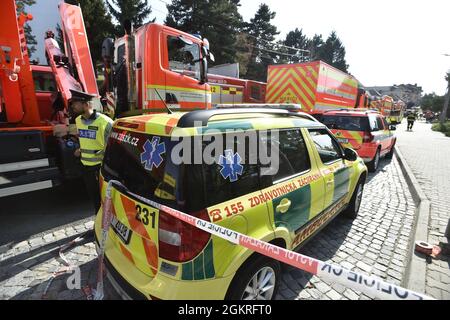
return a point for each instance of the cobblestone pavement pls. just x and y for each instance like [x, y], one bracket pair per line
[26, 269]
[427, 153]
[376, 242]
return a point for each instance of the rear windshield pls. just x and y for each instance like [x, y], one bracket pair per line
[128, 159]
[350, 123]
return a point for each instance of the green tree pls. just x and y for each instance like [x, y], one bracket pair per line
[296, 39]
[244, 51]
[217, 20]
[432, 101]
[135, 11]
[333, 52]
[31, 39]
[315, 47]
[262, 34]
[98, 25]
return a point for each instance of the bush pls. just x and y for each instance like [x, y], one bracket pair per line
[444, 128]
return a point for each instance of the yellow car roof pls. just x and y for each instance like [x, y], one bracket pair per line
[164, 124]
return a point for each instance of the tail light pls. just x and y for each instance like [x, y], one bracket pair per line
[368, 137]
[179, 241]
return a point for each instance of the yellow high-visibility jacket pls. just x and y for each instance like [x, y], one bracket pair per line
[93, 134]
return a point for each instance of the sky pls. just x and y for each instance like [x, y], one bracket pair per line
[45, 16]
[387, 41]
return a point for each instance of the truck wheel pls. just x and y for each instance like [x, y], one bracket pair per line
[258, 279]
[355, 202]
[373, 165]
[391, 152]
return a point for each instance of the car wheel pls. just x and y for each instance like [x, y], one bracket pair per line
[373, 165]
[355, 202]
[391, 152]
[257, 280]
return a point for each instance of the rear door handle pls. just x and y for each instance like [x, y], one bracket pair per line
[330, 182]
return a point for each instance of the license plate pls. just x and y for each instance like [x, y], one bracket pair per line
[342, 140]
[121, 230]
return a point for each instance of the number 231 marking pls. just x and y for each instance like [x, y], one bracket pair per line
[142, 215]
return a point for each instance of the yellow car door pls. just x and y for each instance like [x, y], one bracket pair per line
[296, 188]
[335, 172]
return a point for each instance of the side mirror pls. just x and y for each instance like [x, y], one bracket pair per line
[203, 70]
[206, 51]
[206, 44]
[392, 128]
[350, 154]
[211, 56]
[108, 49]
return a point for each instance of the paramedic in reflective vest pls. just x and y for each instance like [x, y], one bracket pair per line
[93, 131]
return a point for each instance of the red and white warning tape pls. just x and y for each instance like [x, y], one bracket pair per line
[369, 285]
[106, 221]
[67, 268]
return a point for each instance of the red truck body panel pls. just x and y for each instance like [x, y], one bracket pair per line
[77, 46]
[316, 85]
[234, 90]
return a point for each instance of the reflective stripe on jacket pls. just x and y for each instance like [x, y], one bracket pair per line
[93, 135]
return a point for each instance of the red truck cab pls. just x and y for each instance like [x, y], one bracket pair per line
[155, 66]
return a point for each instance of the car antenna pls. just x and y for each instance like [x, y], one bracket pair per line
[165, 105]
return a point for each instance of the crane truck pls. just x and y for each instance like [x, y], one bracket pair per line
[32, 156]
[157, 66]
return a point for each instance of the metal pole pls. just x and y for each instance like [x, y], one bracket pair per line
[447, 98]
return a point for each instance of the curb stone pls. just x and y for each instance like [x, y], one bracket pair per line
[416, 266]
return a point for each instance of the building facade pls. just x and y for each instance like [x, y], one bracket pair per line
[408, 93]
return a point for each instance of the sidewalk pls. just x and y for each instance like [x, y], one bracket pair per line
[428, 155]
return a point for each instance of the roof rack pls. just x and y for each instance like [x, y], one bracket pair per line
[190, 119]
[295, 107]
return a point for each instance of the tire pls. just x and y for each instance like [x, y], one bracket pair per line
[352, 210]
[373, 165]
[245, 277]
[391, 152]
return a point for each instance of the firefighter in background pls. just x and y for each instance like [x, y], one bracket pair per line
[93, 131]
[411, 118]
